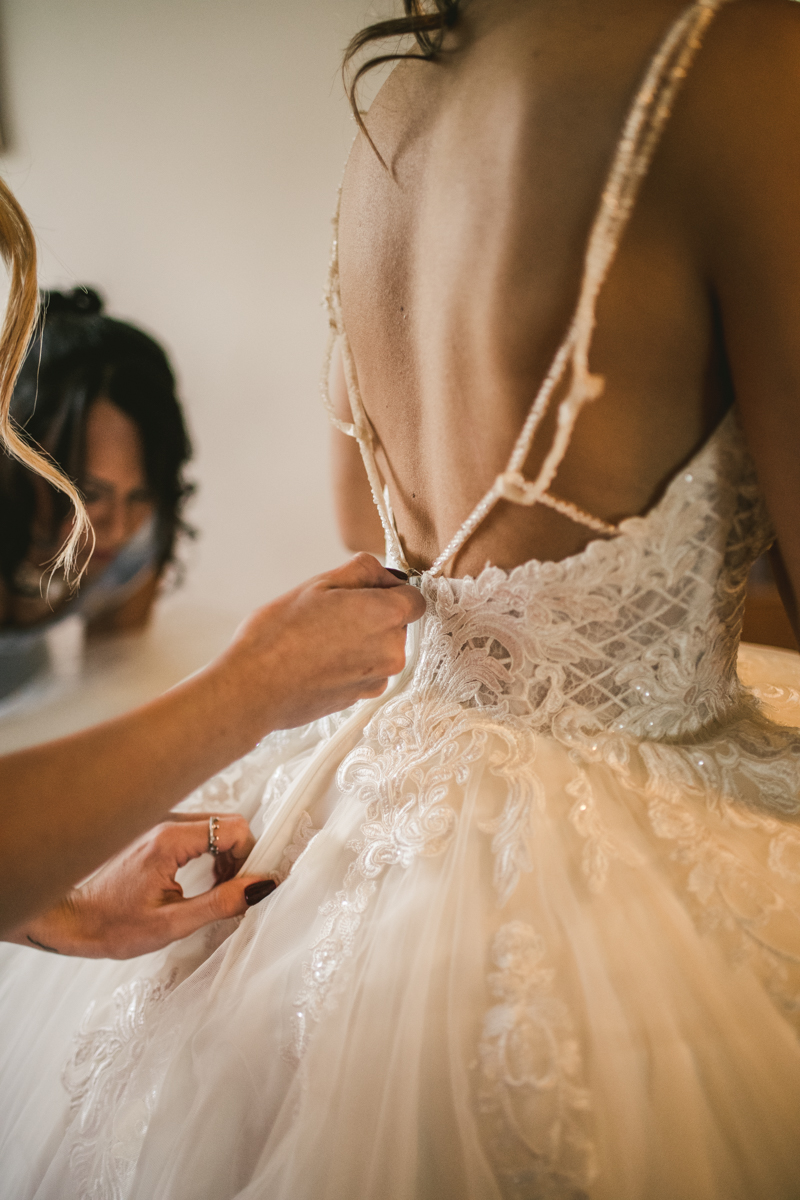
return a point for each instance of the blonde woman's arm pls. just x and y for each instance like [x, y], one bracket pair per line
[68, 805]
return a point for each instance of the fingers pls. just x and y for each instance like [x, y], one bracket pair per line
[181, 841]
[319, 648]
[226, 862]
[382, 608]
[372, 688]
[362, 571]
[221, 902]
[411, 601]
[257, 891]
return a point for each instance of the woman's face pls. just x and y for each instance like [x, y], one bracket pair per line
[114, 485]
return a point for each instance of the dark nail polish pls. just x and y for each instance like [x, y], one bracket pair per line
[258, 891]
[398, 574]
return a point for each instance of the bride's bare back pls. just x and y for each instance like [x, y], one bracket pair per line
[460, 270]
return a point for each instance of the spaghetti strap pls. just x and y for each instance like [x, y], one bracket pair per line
[361, 427]
[646, 120]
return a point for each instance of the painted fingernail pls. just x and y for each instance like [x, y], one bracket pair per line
[398, 574]
[258, 891]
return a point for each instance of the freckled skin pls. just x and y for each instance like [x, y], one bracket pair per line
[460, 271]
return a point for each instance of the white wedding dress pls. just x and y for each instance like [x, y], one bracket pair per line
[541, 934]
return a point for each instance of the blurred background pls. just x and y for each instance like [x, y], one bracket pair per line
[183, 156]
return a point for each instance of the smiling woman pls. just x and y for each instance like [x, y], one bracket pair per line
[98, 396]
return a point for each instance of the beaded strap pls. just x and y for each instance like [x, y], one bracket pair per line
[361, 426]
[641, 133]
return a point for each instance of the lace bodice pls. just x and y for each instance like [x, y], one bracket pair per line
[637, 634]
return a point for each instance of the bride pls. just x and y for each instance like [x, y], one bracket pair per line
[539, 930]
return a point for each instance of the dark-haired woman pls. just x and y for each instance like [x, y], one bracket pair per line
[546, 941]
[99, 396]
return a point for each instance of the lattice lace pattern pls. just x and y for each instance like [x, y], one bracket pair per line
[637, 635]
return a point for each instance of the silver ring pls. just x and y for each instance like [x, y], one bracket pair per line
[213, 826]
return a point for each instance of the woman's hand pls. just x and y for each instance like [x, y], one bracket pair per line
[319, 648]
[133, 905]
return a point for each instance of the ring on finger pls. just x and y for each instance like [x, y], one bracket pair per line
[213, 827]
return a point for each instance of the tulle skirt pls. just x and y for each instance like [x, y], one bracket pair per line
[496, 971]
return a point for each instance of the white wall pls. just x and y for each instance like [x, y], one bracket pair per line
[184, 156]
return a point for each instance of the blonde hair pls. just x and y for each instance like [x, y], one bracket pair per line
[18, 249]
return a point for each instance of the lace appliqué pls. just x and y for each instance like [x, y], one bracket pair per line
[302, 838]
[95, 1091]
[737, 893]
[775, 694]
[635, 636]
[600, 848]
[341, 920]
[403, 786]
[784, 856]
[534, 1109]
[513, 753]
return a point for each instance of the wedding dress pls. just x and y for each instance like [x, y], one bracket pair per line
[539, 934]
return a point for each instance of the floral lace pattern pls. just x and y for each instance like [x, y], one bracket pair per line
[536, 1111]
[303, 836]
[736, 898]
[403, 789]
[624, 656]
[600, 848]
[95, 1090]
